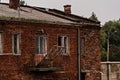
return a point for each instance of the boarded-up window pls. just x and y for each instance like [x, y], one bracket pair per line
[82, 45]
[41, 44]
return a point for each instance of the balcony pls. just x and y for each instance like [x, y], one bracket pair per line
[51, 62]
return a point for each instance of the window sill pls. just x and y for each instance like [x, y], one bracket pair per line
[65, 54]
[16, 54]
[7, 54]
[43, 54]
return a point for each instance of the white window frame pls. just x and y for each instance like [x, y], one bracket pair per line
[39, 44]
[17, 44]
[1, 44]
[63, 43]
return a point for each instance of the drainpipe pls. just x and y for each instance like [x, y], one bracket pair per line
[79, 71]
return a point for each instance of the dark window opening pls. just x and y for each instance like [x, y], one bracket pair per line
[83, 75]
[63, 43]
[15, 43]
[59, 41]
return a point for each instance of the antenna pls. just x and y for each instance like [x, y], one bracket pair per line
[18, 12]
[19, 9]
[47, 9]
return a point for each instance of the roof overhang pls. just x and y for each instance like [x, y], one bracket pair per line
[80, 24]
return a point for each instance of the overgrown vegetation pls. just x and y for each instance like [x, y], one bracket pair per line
[113, 27]
[22, 2]
[93, 17]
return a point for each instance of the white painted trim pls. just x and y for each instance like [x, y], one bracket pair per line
[67, 44]
[44, 44]
[18, 44]
[9, 54]
[110, 62]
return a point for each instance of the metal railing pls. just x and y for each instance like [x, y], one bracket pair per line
[54, 52]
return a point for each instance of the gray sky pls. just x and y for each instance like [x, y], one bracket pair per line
[104, 9]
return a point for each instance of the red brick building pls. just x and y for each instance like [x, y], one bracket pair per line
[47, 44]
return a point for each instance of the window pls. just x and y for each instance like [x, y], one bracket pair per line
[41, 44]
[82, 43]
[63, 42]
[83, 75]
[16, 43]
[0, 42]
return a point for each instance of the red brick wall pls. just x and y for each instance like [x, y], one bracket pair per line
[90, 60]
[12, 67]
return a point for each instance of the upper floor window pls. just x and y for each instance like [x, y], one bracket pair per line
[0, 42]
[16, 43]
[63, 42]
[41, 44]
[82, 45]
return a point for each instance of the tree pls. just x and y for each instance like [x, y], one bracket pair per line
[22, 2]
[103, 45]
[93, 17]
[113, 27]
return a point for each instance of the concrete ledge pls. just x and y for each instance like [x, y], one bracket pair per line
[109, 62]
[46, 69]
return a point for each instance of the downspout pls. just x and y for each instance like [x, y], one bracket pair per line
[79, 70]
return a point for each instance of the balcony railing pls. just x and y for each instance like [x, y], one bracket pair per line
[48, 62]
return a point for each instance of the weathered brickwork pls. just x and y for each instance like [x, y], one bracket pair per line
[90, 60]
[13, 67]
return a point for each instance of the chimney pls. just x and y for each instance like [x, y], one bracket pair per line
[14, 4]
[67, 9]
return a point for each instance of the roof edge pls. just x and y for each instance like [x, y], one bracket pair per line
[58, 12]
[76, 16]
[44, 21]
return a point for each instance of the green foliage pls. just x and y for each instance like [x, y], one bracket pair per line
[103, 44]
[104, 56]
[22, 2]
[93, 17]
[113, 27]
